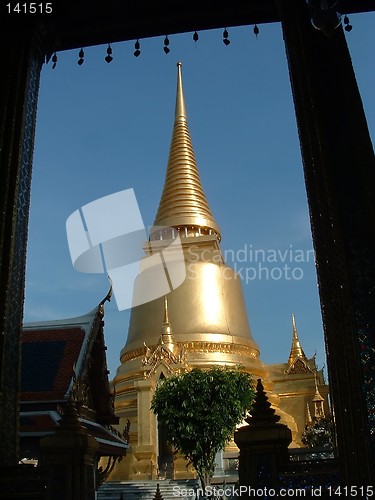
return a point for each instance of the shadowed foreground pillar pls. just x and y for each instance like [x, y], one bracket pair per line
[339, 169]
[69, 458]
[21, 61]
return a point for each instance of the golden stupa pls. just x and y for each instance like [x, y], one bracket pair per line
[200, 323]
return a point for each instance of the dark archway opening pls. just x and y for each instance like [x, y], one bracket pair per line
[165, 451]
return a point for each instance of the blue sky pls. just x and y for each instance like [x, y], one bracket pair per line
[102, 128]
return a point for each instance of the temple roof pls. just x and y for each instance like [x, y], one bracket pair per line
[63, 363]
[183, 202]
[51, 350]
[48, 357]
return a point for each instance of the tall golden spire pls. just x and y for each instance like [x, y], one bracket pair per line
[183, 204]
[296, 350]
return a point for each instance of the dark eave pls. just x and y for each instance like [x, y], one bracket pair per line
[80, 23]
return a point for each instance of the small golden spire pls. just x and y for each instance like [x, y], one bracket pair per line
[166, 324]
[318, 396]
[308, 414]
[318, 401]
[183, 204]
[296, 350]
[166, 337]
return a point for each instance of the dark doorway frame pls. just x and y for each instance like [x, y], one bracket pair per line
[339, 170]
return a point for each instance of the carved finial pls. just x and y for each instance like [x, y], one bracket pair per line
[107, 298]
[261, 412]
[158, 495]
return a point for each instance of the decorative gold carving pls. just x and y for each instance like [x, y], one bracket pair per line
[124, 435]
[125, 432]
[147, 354]
[298, 366]
[80, 391]
[172, 356]
[221, 347]
[163, 355]
[103, 473]
[196, 346]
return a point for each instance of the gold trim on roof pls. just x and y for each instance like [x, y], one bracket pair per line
[183, 203]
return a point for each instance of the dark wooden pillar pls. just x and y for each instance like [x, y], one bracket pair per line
[69, 458]
[339, 172]
[21, 63]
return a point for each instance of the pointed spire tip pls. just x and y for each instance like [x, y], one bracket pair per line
[296, 349]
[183, 204]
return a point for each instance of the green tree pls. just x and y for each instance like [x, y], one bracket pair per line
[318, 433]
[200, 410]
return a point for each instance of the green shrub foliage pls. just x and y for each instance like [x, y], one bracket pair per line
[200, 410]
[318, 433]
